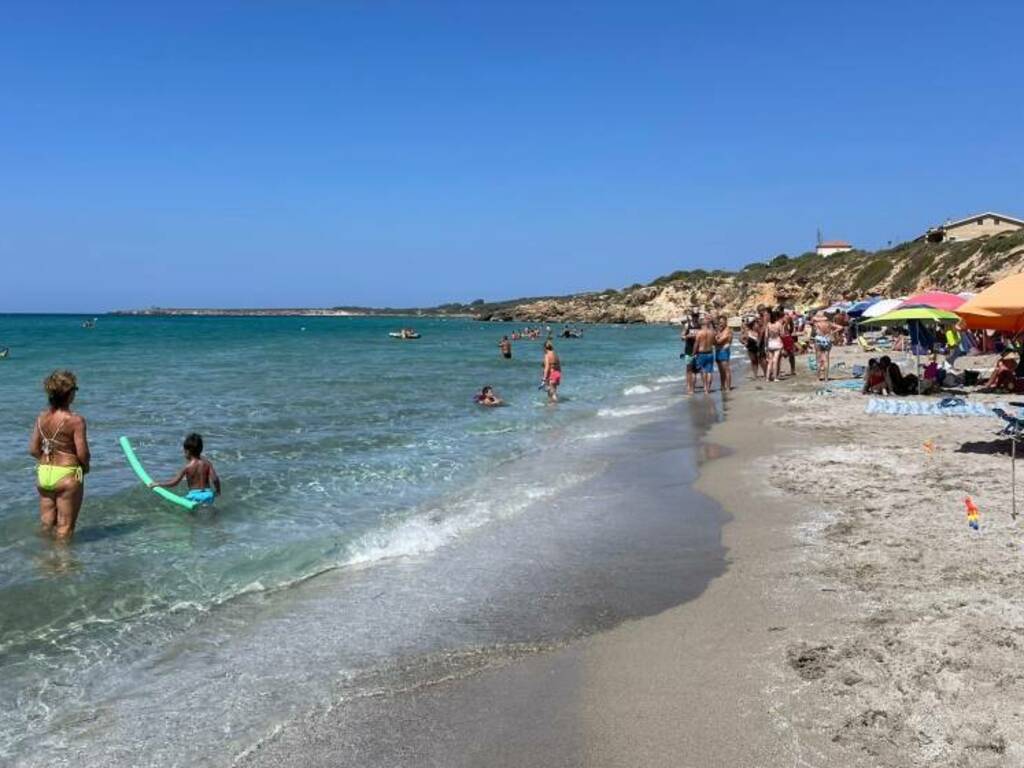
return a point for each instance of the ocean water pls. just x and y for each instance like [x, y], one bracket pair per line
[372, 514]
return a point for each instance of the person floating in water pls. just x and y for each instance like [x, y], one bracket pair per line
[60, 445]
[202, 478]
[552, 371]
[488, 397]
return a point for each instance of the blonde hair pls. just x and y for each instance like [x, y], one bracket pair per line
[60, 387]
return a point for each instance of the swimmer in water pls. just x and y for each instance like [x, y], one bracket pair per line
[203, 481]
[505, 346]
[488, 397]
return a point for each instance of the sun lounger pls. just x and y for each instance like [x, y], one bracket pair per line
[903, 407]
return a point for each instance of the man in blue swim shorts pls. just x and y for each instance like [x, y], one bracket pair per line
[704, 352]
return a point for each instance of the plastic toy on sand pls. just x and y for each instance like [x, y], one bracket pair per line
[972, 513]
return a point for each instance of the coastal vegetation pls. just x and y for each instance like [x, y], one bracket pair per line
[805, 281]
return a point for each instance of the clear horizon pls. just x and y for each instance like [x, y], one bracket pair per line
[412, 155]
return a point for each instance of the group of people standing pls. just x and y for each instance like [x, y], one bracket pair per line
[770, 336]
[707, 343]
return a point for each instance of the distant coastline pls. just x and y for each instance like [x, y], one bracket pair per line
[283, 312]
[809, 280]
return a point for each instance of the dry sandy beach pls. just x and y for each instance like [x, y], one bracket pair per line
[860, 622]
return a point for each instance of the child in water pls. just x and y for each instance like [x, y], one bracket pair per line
[488, 398]
[203, 482]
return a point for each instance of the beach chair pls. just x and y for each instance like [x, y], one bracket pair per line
[1014, 429]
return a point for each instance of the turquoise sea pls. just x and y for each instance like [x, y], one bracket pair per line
[356, 470]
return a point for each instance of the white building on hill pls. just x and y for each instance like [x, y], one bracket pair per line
[830, 247]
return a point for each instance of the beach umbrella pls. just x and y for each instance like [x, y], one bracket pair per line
[934, 299]
[858, 309]
[839, 306]
[907, 315]
[1000, 307]
[902, 315]
[881, 307]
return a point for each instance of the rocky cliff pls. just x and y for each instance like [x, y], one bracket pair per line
[805, 281]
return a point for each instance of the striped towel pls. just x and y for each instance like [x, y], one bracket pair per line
[904, 407]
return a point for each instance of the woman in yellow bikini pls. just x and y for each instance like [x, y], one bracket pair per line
[60, 446]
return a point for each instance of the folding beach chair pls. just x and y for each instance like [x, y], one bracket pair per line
[1014, 429]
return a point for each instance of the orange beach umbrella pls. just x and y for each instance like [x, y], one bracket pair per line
[1000, 307]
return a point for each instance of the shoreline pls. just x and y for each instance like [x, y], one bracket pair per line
[660, 549]
[651, 691]
[851, 625]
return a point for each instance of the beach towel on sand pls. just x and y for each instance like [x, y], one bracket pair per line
[846, 384]
[953, 407]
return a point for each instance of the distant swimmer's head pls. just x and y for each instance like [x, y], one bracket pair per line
[60, 387]
[486, 390]
[193, 445]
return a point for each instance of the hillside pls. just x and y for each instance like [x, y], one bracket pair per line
[805, 281]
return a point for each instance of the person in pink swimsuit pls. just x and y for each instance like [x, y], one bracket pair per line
[552, 371]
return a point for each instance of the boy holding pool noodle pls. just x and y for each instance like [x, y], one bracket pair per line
[202, 478]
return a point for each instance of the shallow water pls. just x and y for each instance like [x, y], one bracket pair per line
[344, 453]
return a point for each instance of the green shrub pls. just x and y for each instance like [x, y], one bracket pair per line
[871, 275]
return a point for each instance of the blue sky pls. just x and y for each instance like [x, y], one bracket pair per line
[322, 153]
